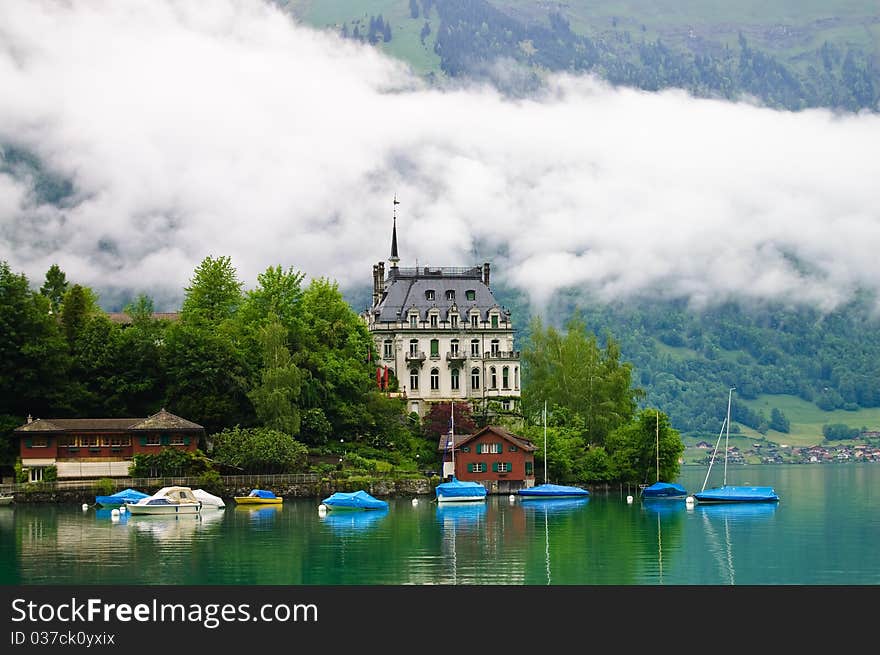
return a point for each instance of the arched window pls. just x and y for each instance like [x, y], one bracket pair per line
[414, 379]
[475, 378]
[435, 379]
[493, 378]
[505, 378]
[454, 379]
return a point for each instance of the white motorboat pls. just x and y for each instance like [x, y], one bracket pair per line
[209, 501]
[168, 500]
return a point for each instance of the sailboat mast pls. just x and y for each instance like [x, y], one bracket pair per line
[658, 445]
[545, 442]
[727, 438]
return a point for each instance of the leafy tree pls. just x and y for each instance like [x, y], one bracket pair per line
[55, 287]
[259, 450]
[438, 419]
[633, 449]
[572, 372]
[141, 310]
[276, 397]
[214, 293]
[80, 303]
[778, 421]
[206, 376]
[168, 462]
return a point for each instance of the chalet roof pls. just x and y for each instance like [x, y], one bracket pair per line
[124, 318]
[161, 420]
[461, 439]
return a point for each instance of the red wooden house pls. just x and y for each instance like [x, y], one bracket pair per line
[494, 457]
[99, 447]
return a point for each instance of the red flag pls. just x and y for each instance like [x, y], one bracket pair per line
[385, 385]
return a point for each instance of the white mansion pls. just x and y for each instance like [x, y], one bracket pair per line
[442, 335]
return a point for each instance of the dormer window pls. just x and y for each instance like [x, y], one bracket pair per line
[475, 320]
[453, 320]
[414, 320]
[495, 321]
[434, 318]
[429, 294]
[470, 294]
[450, 294]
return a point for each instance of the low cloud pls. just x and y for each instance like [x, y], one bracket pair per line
[189, 129]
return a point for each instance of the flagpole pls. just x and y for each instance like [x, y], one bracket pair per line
[452, 432]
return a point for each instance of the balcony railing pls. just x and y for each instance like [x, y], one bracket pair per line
[456, 357]
[502, 354]
[415, 356]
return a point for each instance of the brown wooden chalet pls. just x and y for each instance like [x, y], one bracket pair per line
[494, 457]
[99, 447]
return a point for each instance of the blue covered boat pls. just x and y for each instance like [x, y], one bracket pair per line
[120, 498]
[353, 500]
[664, 490]
[459, 491]
[728, 493]
[734, 494]
[552, 491]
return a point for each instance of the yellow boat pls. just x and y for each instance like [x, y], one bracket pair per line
[259, 497]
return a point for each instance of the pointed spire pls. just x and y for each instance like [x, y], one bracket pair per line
[394, 258]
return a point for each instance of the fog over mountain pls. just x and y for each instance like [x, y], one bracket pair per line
[187, 129]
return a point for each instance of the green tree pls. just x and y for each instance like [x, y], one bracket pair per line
[80, 303]
[633, 449]
[214, 293]
[572, 372]
[259, 450]
[276, 397]
[55, 287]
[141, 310]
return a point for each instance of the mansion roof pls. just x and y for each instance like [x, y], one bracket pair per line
[408, 289]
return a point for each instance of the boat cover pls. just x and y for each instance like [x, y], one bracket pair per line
[664, 490]
[261, 493]
[459, 488]
[552, 490]
[121, 497]
[737, 495]
[354, 500]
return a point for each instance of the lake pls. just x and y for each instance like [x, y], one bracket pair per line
[824, 531]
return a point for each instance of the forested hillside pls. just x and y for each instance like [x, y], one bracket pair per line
[787, 55]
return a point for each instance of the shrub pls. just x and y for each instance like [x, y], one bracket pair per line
[104, 487]
[211, 482]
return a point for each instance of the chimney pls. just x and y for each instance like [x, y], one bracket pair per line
[381, 277]
[375, 284]
[486, 274]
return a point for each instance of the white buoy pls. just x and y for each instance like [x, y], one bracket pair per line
[85, 507]
[122, 510]
[322, 509]
[415, 501]
[114, 512]
[511, 498]
[629, 500]
[689, 500]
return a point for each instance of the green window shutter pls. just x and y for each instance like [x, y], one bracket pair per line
[500, 447]
[186, 441]
[27, 443]
[165, 440]
[144, 440]
[479, 448]
[494, 467]
[470, 468]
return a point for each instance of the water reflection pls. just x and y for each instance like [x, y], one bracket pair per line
[719, 520]
[554, 505]
[260, 516]
[355, 521]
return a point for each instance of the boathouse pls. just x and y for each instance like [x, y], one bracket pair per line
[492, 456]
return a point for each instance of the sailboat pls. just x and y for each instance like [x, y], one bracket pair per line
[457, 491]
[663, 490]
[727, 493]
[548, 490]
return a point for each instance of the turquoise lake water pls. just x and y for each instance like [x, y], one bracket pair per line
[824, 531]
